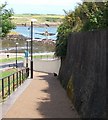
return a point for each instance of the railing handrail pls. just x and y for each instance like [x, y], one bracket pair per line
[12, 73]
[9, 84]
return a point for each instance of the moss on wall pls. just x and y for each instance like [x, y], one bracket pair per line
[70, 90]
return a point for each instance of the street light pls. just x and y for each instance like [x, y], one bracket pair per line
[46, 32]
[29, 32]
[16, 54]
[32, 20]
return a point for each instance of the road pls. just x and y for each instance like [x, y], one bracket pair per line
[11, 64]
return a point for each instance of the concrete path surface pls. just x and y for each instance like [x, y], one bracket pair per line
[43, 98]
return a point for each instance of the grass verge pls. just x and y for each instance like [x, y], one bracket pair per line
[22, 58]
[7, 72]
[10, 59]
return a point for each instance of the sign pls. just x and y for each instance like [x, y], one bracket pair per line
[26, 54]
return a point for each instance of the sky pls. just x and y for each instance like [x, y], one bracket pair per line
[41, 6]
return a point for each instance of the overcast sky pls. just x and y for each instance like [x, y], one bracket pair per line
[41, 6]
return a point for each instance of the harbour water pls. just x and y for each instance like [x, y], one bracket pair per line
[25, 31]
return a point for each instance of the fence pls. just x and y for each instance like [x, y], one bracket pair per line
[13, 81]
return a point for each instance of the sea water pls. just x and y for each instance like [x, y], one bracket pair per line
[25, 31]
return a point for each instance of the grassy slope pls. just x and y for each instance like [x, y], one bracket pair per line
[5, 60]
[7, 73]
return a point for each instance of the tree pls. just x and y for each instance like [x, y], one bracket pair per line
[6, 23]
[61, 43]
[96, 16]
[87, 16]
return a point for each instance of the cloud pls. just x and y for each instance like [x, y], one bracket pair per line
[43, 2]
[41, 6]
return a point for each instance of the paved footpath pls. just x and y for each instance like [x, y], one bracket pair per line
[43, 98]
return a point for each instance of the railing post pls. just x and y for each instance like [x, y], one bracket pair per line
[13, 82]
[8, 85]
[17, 78]
[24, 74]
[2, 88]
[20, 76]
[27, 72]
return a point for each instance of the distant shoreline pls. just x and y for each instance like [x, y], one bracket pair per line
[25, 20]
[40, 25]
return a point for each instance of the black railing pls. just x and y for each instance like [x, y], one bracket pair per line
[13, 81]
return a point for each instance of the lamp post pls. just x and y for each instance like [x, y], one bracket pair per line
[46, 32]
[28, 32]
[32, 20]
[16, 54]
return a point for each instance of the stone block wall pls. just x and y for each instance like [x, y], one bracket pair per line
[83, 72]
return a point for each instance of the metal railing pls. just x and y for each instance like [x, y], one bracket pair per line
[13, 81]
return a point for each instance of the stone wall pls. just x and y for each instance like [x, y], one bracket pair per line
[83, 72]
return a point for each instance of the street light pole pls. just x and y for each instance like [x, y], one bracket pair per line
[29, 33]
[46, 32]
[33, 20]
[16, 55]
[31, 49]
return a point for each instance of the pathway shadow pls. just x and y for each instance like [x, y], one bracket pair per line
[55, 103]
